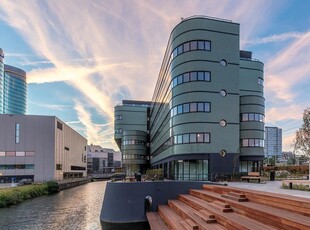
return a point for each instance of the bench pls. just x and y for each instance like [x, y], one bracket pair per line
[252, 176]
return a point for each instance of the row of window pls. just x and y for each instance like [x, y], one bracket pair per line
[192, 45]
[191, 107]
[192, 138]
[252, 117]
[134, 157]
[118, 117]
[16, 133]
[252, 143]
[191, 76]
[26, 166]
[16, 154]
[134, 142]
[118, 131]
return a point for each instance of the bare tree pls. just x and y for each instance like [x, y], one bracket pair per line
[302, 138]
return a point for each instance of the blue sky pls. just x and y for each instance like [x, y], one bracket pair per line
[83, 57]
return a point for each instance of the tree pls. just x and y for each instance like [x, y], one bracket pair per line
[302, 138]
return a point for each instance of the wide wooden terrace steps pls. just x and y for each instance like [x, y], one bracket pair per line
[223, 207]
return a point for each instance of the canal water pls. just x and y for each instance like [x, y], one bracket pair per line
[75, 208]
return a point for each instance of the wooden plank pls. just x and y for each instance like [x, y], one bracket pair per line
[155, 222]
[172, 219]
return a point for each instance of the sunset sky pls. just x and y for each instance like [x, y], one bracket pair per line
[83, 57]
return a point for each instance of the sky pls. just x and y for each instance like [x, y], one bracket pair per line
[83, 57]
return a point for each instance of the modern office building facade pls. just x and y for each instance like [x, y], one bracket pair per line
[40, 148]
[273, 147]
[13, 89]
[206, 116]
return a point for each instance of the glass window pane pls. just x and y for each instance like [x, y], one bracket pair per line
[207, 76]
[179, 139]
[257, 142]
[256, 117]
[199, 137]
[201, 76]
[186, 47]
[192, 137]
[193, 76]
[200, 106]
[201, 45]
[207, 107]
[180, 109]
[251, 142]
[186, 77]
[10, 154]
[175, 52]
[186, 108]
[207, 45]
[251, 116]
[180, 49]
[245, 117]
[207, 137]
[175, 139]
[180, 79]
[193, 45]
[20, 154]
[185, 138]
[245, 142]
[2, 154]
[174, 82]
[193, 107]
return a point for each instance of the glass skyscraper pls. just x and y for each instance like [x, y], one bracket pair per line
[13, 89]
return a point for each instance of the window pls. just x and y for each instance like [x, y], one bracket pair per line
[10, 154]
[193, 106]
[200, 106]
[180, 79]
[252, 117]
[186, 47]
[17, 133]
[190, 107]
[207, 137]
[2, 154]
[29, 154]
[201, 45]
[180, 109]
[20, 154]
[59, 125]
[185, 108]
[200, 137]
[179, 139]
[260, 81]
[186, 77]
[192, 137]
[118, 117]
[207, 45]
[185, 138]
[66, 148]
[58, 166]
[193, 76]
[193, 45]
[207, 107]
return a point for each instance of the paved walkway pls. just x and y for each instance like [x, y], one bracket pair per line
[270, 186]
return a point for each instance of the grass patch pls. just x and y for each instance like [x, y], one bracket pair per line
[16, 195]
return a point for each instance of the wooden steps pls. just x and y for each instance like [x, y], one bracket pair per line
[223, 207]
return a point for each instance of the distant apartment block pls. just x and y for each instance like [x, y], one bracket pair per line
[40, 148]
[273, 142]
[102, 160]
[13, 88]
[206, 116]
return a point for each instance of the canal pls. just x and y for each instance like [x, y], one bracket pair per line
[75, 208]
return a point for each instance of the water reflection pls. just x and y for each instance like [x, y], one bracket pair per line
[75, 208]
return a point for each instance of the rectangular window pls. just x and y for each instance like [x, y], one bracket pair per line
[2, 154]
[179, 139]
[207, 137]
[58, 167]
[193, 45]
[175, 139]
[186, 108]
[180, 109]
[193, 76]
[257, 142]
[180, 49]
[29, 166]
[207, 107]
[59, 125]
[201, 76]
[199, 137]
[20, 154]
[193, 107]
[245, 142]
[192, 137]
[66, 148]
[180, 79]
[245, 117]
[186, 77]
[201, 45]
[175, 82]
[256, 117]
[16, 133]
[251, 142]
[207, 76]
[186, 47]
[200, 106]
[28, 154]
[185, 138]
[251, 116]
[207, 45]
[175, 52]
[10, 154]
[20, 166]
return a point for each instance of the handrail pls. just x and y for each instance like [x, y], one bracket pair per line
[207, 17]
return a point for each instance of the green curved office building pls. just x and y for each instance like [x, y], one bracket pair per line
[206, 117]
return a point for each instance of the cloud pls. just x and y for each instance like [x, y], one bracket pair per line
[276, 38]
[112, 50]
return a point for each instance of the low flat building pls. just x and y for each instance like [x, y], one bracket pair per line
[41, 148]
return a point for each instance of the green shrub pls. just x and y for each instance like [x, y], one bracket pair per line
[52, 187]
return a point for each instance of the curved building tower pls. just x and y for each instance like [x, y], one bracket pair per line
[206, 117]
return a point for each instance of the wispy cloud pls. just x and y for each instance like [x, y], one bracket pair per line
[276, 38]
